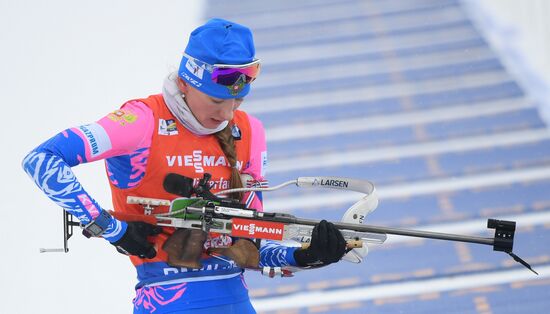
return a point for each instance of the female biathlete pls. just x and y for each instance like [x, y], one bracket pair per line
[192, 128]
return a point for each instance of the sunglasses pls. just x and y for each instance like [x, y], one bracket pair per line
[230, 75]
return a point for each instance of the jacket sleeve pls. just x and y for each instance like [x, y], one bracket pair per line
[275, 254]
[49, 164]
[272, 253]
[256, 167]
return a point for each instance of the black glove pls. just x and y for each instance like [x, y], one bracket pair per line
[327, 246]
[134, 241]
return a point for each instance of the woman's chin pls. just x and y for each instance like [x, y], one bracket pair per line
[212, 123]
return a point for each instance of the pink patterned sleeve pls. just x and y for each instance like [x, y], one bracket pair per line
[258, 162]
[121, 132]
[126, 132]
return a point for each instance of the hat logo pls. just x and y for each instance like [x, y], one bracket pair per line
[238, 86]
[194, 68]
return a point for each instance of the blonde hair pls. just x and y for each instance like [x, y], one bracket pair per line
[227, 143]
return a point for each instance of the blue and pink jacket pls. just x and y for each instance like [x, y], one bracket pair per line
[141, 142]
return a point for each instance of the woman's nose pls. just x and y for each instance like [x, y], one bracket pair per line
[227, 108]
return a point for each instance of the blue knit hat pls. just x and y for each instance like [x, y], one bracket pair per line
[216, 42]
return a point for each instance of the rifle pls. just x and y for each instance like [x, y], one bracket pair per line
[207, 212]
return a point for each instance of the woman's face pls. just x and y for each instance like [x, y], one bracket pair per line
[209, 111]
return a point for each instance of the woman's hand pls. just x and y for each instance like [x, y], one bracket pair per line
[327, 246]
[134, 241]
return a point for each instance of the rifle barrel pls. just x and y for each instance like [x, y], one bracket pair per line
[402, 232]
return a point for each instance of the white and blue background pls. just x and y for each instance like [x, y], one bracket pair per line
[441, 103]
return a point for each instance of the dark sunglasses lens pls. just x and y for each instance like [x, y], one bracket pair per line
[230, 76]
